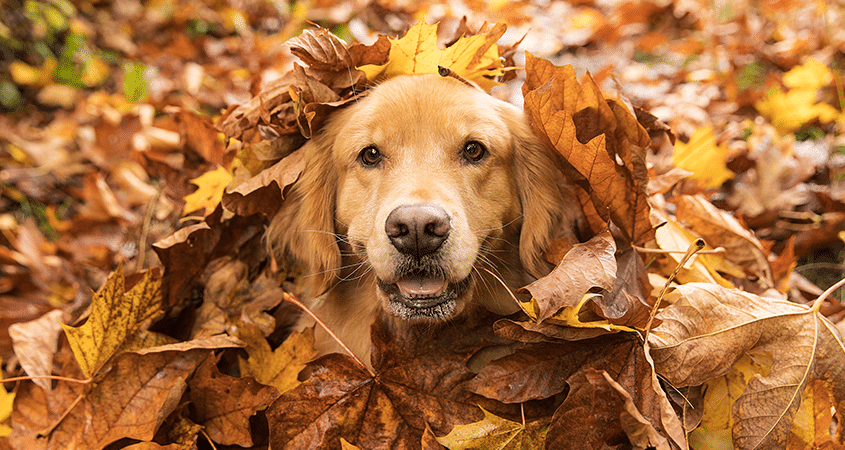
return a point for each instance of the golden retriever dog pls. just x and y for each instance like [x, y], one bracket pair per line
[410, 201]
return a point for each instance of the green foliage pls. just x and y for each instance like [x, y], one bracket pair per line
[136, 87]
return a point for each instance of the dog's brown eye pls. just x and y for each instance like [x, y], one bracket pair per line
[474, 151]
[370, 156]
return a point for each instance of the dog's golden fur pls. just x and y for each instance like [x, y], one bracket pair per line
[420, 140]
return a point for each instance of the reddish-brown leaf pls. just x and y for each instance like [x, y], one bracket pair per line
[263, 193]
[417, 384]
[224, 404]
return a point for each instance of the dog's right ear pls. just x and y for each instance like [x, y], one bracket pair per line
[302, 234]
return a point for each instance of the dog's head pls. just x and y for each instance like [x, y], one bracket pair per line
[422, 182]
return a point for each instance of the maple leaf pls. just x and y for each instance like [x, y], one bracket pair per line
[131, 400]
[416, 384]
[211, 185]
[475, 58]
[797, 106]
[701, 156]
[115, 317]
[225, 420]
[280, 367]
[711, 327]
[496, 433]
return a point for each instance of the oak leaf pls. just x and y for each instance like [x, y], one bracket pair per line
[116, 315]
[475, 58]
[497, 433]
[710, 327]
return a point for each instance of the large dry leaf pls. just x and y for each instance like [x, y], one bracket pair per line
[590, 133]
[711, 327]
[542, 371]
[278, 367]
[417, 384]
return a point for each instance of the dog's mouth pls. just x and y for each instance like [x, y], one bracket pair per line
[423, 295]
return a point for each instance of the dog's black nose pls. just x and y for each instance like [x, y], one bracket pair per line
[417, 229]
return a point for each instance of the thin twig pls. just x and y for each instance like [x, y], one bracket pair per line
[715, 251]
[694, 248]
[46, 377]
[447, 72]
[292, 299]
[817, 304]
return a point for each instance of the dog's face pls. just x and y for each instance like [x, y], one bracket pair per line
[426, 188]
[422, 185]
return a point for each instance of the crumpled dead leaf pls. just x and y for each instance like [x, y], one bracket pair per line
[711, 327]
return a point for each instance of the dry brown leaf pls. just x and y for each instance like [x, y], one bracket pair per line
[720, 228]
[35, 343]
[587, 265]
[416, 385]
[711, 327]
[590, 133]
[263, 193]
[225, 404]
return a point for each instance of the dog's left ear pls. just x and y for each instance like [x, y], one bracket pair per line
[549, 208]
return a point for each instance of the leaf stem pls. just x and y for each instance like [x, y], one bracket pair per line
[694, 248]
[46, 377]
[817, 304]
[288, 297]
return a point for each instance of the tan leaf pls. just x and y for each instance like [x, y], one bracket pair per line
[720, 228]
[35, 343]
[587, 265]
[710, 328]
[263, 193]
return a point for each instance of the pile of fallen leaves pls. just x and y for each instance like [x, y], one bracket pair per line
[742, 352]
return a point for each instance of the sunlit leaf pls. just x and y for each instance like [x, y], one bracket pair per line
[475, 58]
[496, 433]
[701, 156]
[211, 184]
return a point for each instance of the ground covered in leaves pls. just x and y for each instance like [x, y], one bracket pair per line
[144, 146]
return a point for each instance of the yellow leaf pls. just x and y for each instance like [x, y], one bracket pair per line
[496, 433]
[23, 73]
[7, 400]
[476, 58]
[811, 425]
[568, 316]
[211, 186]
[811, 75]
[116, 316]
[95, 73]
[701, 156]
[278, 368]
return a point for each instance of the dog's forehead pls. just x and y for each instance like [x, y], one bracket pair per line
[423, 107]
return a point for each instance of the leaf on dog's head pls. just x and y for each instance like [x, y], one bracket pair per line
[475, 58]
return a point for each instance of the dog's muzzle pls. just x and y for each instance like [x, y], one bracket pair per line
[421, 290]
